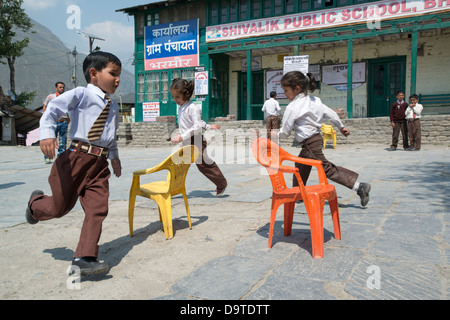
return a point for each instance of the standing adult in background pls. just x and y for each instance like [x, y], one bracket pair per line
[272, 109]
[63, 121]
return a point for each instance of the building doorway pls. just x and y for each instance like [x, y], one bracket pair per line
[218, 98]
[257, 96]
[386, 77]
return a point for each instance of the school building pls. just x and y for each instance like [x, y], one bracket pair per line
[361, 52]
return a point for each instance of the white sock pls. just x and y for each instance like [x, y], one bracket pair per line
[355, 186]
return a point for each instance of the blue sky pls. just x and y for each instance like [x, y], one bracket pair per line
[66, 18]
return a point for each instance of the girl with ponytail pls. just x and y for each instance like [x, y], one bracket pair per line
[305, 115]
[191, 127]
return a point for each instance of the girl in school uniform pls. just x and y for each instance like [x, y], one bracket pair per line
[191, 125]
[305, 115]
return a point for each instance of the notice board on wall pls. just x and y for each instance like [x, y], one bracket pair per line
[337, 74]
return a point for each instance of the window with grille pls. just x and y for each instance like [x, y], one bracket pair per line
[155, 85]
[225, 11]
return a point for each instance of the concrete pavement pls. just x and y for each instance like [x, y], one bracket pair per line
[398, 247]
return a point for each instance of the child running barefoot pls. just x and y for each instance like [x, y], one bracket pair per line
[191, 125]
[305, 115]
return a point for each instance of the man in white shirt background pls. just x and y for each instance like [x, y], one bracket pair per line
[272, 109]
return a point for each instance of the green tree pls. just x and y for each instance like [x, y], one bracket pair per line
[12, 16]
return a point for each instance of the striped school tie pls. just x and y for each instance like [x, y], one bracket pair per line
[99, 124]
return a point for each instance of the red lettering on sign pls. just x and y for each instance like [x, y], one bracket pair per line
[356, 15]
[331, 19]
[404, 8]
[307, 20]
[287, 22]
[297, 22]
[274, 25]
[394, 7]
[346, 15]
[429, 4]
[381, 10]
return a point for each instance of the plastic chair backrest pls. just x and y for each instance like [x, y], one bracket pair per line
[271, 156]
[327, 129]
[178, 165]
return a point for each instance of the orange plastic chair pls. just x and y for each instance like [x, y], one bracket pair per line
[271, 156]
[328, 133]
[162, 191]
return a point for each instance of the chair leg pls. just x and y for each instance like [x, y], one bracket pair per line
[163, 202]
[334, 208]
[169, 215]
[273, 215]
[316, 225]
[288, 217]
[187, 208]
[160, 217]
[131, 204]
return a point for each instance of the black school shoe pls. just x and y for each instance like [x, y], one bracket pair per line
[363, 193]
[220, 191]
[89, 265]
[28, 214]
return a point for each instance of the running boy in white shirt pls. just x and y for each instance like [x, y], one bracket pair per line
[82, 172]
[305, 115]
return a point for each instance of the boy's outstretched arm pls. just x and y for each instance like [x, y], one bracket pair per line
[48, 147]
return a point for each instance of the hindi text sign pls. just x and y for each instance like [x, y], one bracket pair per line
[172, 45]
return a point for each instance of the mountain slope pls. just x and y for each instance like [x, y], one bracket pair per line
[47, 60]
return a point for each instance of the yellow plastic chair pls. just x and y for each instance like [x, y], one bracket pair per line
[162, 191]
[328, 133]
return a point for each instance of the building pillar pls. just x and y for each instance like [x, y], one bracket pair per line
[414, 44]
[205, 60]
[350, 80]
[249, 84]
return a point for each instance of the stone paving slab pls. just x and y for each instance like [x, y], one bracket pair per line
[398, 281]
[398, 247]
[224, 278]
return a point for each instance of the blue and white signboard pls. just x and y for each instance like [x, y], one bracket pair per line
[172, 45]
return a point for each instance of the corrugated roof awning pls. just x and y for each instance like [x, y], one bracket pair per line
[26, 119]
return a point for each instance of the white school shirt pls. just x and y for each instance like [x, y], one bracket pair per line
[190, 121]
[84, 105]
[417, 110]
[271, 107]
[305, 115]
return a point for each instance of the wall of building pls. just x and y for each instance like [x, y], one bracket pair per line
[435, 130]
[433, 63]
[434, 66]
